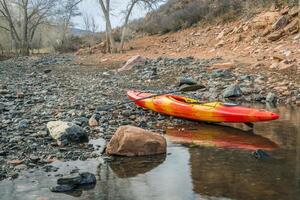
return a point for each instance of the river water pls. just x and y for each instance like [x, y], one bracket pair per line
[201, 168]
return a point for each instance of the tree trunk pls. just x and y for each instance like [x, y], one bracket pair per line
[13, 42]
[107, 40]
[111, 38]
[24, 43]
[125, 27]
[108, 24]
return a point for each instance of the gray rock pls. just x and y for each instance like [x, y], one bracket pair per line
[4, 91]
[50, 168]
[34, 158]
[74, 179]
[23, 124]
[232, 91]
[87, 178]
[62, 188]
[20, 167]
[81, 121]
[84, 178]
[220, 73]
[271, 97]
[66, 132]
[187, 81]
[2, 107]
[187, 88]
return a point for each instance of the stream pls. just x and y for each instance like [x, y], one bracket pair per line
[200, 169]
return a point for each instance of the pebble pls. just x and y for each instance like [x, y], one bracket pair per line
[23, 124]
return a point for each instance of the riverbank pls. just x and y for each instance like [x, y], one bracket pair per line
[37, 90]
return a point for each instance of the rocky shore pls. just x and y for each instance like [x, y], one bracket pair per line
[37, 90]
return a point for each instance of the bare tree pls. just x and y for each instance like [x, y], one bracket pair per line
[32, 14]
[105, 7]
[87, 22]
[69, 9]
[90, 23]
[146, 4]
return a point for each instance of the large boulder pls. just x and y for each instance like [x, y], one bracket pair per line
[133, 61]
[134, 141]
[66, 132]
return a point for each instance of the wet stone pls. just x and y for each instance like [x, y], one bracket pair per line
[74, 179]
[62, 188]
[87, 178]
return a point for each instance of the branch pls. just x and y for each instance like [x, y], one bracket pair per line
[4, 28]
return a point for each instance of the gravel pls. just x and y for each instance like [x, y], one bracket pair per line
[54, 88]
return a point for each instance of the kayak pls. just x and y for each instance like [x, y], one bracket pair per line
[188, 108]
[218, 136]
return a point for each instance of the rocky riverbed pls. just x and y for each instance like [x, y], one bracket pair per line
[37, 90]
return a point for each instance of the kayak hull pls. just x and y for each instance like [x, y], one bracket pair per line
[184, 107]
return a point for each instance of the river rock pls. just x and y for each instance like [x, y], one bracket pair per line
[84, 178]
[93, 121]
[66, 132]
[232, 91]
[133, 61]
[187, 81]
[23, 124]
[87, 178]
[271, 97]
[73, 179]
[2, 107]
[81, 121]
[62, 188]
[134, 141]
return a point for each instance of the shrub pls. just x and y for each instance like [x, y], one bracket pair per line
[178, 14]
[70, 44]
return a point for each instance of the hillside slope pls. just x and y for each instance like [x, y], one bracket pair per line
[267, 44]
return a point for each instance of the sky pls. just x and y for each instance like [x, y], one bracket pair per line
[92, 8]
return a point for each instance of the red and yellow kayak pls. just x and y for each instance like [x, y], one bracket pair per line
[188, 108]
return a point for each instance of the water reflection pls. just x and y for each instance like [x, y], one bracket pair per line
[236, 175]
[130, 167]
[169, 180]
[219, 136]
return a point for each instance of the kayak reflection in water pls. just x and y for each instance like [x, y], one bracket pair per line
[218, 136]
